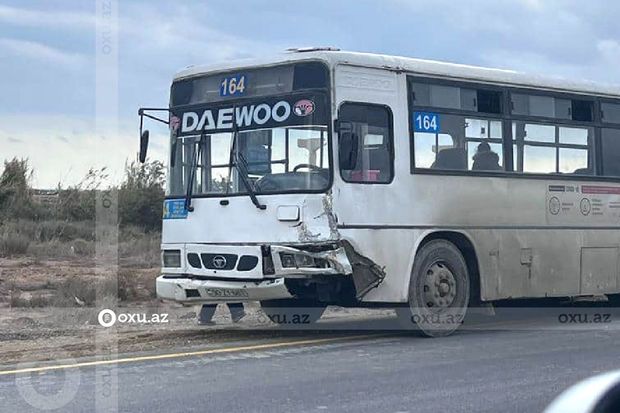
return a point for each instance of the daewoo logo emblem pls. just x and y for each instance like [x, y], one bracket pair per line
[304, 107]
[219, 261]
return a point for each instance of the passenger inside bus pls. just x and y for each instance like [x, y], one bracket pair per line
[451, 158]
[485, 159]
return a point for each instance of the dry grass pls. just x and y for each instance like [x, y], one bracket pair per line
[35, 300]
[11, 245]
[125, 287]
[40, 248]
[46, 239]
[139, 249]
[64, 240]
[61, 250]
[76, 291]
[49, 230]
[137, 285]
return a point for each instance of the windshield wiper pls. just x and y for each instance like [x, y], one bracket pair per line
[242, 167]
[237, 160]
[192, 173]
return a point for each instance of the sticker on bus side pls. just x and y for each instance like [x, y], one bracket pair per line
[426, 122]
[233, 86]
[174, 209]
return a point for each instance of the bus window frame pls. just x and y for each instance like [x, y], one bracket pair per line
[608, 125]
[391, 137]
[506, 117]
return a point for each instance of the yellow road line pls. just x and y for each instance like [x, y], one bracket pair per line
[187, 354]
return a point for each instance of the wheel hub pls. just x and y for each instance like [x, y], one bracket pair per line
[439, 286]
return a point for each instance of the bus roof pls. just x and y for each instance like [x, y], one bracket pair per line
[417, 66]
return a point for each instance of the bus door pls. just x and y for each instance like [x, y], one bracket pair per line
[371, 166]
[371, 113]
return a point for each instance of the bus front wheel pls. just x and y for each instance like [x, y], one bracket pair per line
[439, 290]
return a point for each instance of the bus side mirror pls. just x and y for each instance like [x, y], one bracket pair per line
[348, 143]
[144, 144]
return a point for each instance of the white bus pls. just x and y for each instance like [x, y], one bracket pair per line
[328, 177]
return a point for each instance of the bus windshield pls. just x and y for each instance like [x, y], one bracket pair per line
[276, 160]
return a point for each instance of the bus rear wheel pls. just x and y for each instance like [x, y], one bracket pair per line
[439, 290]
[292, 311]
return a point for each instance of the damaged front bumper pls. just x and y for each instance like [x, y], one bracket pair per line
[219, 273]
[193, 291]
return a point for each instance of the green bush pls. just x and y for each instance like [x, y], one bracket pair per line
[78, 202]
[67, 228]
[15, 193]
[75, 204]
[141, 195]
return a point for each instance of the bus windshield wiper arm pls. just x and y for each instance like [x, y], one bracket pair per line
[241, 165]
[237, 160]
[192, 173]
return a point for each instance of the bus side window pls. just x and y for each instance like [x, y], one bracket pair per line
[552, 149]
[372, 155]
[611, 152]
[444, 149]
[610, 112]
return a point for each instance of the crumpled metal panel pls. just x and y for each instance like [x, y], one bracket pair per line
[366, 273]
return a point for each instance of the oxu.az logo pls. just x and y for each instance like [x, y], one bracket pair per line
[107, 318]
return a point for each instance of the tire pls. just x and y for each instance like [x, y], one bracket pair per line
[438, 291]
[292, 311]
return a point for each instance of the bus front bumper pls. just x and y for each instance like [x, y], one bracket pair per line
[192, 291]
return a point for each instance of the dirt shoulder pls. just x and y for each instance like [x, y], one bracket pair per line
[49, 310]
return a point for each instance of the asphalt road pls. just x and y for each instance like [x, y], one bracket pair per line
[513, 369]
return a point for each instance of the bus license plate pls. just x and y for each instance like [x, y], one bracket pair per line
[226, 292]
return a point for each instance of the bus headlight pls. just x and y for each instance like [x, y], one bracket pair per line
[171, 258]
[291, 260]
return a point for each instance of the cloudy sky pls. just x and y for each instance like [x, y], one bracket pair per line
[48, 59]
